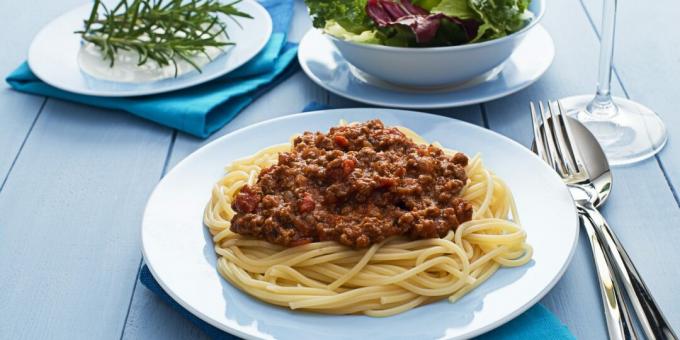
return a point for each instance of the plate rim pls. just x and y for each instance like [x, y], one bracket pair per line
[481, 330]
[267, 21]
[441, 105]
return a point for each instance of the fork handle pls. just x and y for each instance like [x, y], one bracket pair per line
[619, 325]
[648, 312]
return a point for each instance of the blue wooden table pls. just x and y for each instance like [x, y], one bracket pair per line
[74, 179]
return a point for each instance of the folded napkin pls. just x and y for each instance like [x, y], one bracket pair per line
[536, 323]
[203, 109]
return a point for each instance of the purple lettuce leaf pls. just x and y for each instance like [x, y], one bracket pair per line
[424, 25]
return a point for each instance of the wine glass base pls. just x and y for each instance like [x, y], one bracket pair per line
[628, 133]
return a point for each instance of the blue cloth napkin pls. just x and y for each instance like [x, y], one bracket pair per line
[203, 109]
[536, 323]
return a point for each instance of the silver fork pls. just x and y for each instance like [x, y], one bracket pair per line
[555, 145]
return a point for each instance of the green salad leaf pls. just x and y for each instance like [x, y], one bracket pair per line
[365, 37]
[455, 8]
[499, 17]
[350, 14]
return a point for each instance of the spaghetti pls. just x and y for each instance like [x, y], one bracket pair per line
[387, 278]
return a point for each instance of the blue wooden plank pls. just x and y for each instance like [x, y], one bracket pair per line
[69, 222]
[633, 204]
[19, 21]
[16, 120]
[646, 61]
[151, 318]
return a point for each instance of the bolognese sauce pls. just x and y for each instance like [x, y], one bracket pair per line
[358, 185]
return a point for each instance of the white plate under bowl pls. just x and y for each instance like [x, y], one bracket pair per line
[180, 253]
[53, 55]
[324, 64]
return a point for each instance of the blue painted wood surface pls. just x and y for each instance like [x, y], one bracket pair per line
[647, 63]
[20, 22]
[76, 179]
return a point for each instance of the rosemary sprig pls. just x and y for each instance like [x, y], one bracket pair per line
[159, 30]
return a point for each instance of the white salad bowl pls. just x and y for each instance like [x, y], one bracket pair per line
[435, 66]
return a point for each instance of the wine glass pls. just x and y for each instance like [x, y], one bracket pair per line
[629, 132]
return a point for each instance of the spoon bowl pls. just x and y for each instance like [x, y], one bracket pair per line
[594, 161]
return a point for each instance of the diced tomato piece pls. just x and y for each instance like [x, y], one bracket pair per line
[306, 204]
[341, 140]
[246, 201]
[348, 166]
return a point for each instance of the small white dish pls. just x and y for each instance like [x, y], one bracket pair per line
[53, 56]
[180, 253]
[324, 64]
[435, 66]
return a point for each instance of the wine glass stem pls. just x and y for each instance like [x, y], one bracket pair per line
[602, 105]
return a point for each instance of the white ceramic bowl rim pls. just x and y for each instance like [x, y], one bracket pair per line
[535, 20]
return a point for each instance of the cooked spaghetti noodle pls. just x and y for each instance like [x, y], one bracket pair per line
[387, 278]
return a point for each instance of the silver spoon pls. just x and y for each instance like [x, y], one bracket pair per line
[596, 190]
[618, 318]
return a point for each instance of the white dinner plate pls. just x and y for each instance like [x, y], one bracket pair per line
[180, 253]
[54, 51]
[324, 64]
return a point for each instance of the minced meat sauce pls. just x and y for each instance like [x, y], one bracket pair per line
[357, 185]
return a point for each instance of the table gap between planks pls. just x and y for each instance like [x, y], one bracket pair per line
[74, 180]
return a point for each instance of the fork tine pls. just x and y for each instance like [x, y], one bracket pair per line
[565, 151]
[539, 139]
[550, 141]
[569, 138]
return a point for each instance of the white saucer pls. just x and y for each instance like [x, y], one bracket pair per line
[325, 66]
[53, 56]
